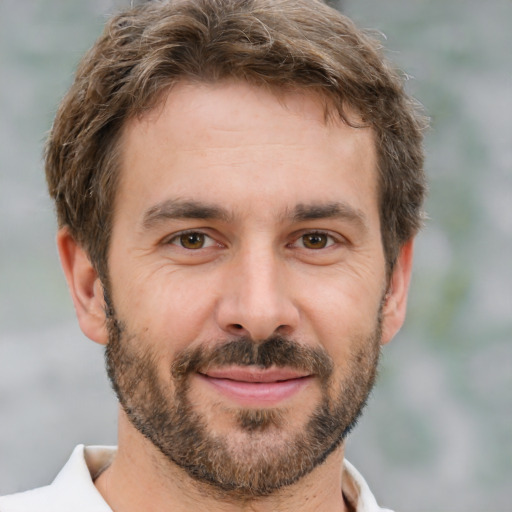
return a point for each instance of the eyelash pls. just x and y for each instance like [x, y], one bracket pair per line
[330, 239]
[179, 236]
[177, 240]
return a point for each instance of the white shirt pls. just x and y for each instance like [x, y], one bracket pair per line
[73, 489]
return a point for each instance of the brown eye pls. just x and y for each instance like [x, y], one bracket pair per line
[315, 240]
[192, 240]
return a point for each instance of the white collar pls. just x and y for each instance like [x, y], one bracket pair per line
[74, 489]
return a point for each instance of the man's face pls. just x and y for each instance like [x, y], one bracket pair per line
[246, 282]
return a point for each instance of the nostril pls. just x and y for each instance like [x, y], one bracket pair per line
[238, 327]
[283, 330]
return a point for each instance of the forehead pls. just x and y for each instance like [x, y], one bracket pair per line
[247, 148]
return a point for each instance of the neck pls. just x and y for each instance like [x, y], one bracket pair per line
[141, 478]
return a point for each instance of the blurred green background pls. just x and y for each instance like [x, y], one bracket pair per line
[437, 435]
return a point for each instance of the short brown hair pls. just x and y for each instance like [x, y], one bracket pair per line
[278, 43]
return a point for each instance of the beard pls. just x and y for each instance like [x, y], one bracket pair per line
[259, 455]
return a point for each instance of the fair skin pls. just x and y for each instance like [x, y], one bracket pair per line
[258, 267]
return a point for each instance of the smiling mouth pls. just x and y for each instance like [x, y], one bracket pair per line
[251, 386]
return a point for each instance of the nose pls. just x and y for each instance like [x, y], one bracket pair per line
[257, 300]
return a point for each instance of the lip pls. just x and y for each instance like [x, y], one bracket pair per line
[255, 387]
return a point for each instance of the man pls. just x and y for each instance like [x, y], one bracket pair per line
[238, 185]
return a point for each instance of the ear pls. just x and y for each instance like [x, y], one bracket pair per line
[395, 301]
[85, 287]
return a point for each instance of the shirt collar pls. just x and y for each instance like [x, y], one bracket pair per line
[87, 463]
[356, 491]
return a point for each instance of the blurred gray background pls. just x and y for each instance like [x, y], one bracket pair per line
[437, 435]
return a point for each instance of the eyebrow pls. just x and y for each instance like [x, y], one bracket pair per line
[172, 209]
[181, 209]
[333, 210]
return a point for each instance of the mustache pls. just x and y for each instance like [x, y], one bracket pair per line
[276, 351]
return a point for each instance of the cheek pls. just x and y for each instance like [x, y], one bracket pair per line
[169, 308]
[341, 313]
